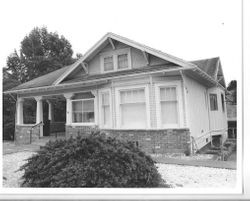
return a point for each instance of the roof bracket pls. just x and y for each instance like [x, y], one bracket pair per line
[85, 67]
[146, 56]
[111, 43]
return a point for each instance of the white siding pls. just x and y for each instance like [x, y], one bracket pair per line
[218, 120]
[197, 108]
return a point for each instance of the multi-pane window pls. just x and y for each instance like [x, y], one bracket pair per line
[108, 63]
[222, 102]
[169, 106]
[115, 60]
[213, 102]
[122, 61]
[105, 107]
[133, 108]
[83, 111]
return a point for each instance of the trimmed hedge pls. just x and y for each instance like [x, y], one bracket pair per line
[94, 161]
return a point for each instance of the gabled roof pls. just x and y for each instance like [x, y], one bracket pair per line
[212, 67]
[207, 67]
[128, 42]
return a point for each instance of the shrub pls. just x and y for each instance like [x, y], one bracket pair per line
[94, 161]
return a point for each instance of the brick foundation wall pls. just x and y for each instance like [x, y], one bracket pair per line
[150, 141]
[57, 127]
[73, 131]
[22, 134]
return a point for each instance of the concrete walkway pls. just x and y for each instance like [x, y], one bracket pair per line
[11, 147]
[204, 163]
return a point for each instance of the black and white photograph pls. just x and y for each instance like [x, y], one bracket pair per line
[121, 97]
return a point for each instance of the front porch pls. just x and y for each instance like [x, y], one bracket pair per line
[47, 119]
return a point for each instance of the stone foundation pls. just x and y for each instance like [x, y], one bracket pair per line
[151, 141]
[25, 135]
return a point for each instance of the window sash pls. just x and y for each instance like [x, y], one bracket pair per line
[122, 61]
[108, 63]
[133, 112]
[222, 103]
[83, 111]
[213, 102]
[169, 106]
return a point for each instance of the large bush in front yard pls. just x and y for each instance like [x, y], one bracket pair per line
[95, 161]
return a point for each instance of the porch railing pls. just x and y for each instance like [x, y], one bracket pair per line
[31, 129]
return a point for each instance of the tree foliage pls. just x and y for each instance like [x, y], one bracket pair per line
[9, 105]
[93, 161]
[40, 52]
[232, 88]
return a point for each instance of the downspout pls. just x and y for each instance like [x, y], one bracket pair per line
[151, 91]
[208, 112]
[185, 110]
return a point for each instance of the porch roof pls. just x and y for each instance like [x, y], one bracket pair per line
[42, 81]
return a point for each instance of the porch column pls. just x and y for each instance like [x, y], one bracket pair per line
[39, 109]
[19, 111]
[51, 111]
[39, 113]
[68, 108]
[96, 112]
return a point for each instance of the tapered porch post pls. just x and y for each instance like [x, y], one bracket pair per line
[19, 110]
[68, 97]
[39, 113]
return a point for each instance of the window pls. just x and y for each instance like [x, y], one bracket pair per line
[133, 108]
[169, 106]
[116, 60]
[222, 103]
[213, 102]
[83, 108]
[122, 61]
[105, 109]
[108, 63]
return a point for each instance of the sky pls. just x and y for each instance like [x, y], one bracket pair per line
[188, 29]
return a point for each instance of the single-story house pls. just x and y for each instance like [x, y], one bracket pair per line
[132, 92]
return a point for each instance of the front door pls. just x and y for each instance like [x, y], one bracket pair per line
[46, 127]
[46, 121]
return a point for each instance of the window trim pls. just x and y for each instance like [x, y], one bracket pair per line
[180, 109]
[101, 92]
[115, 54]
[118, 102]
